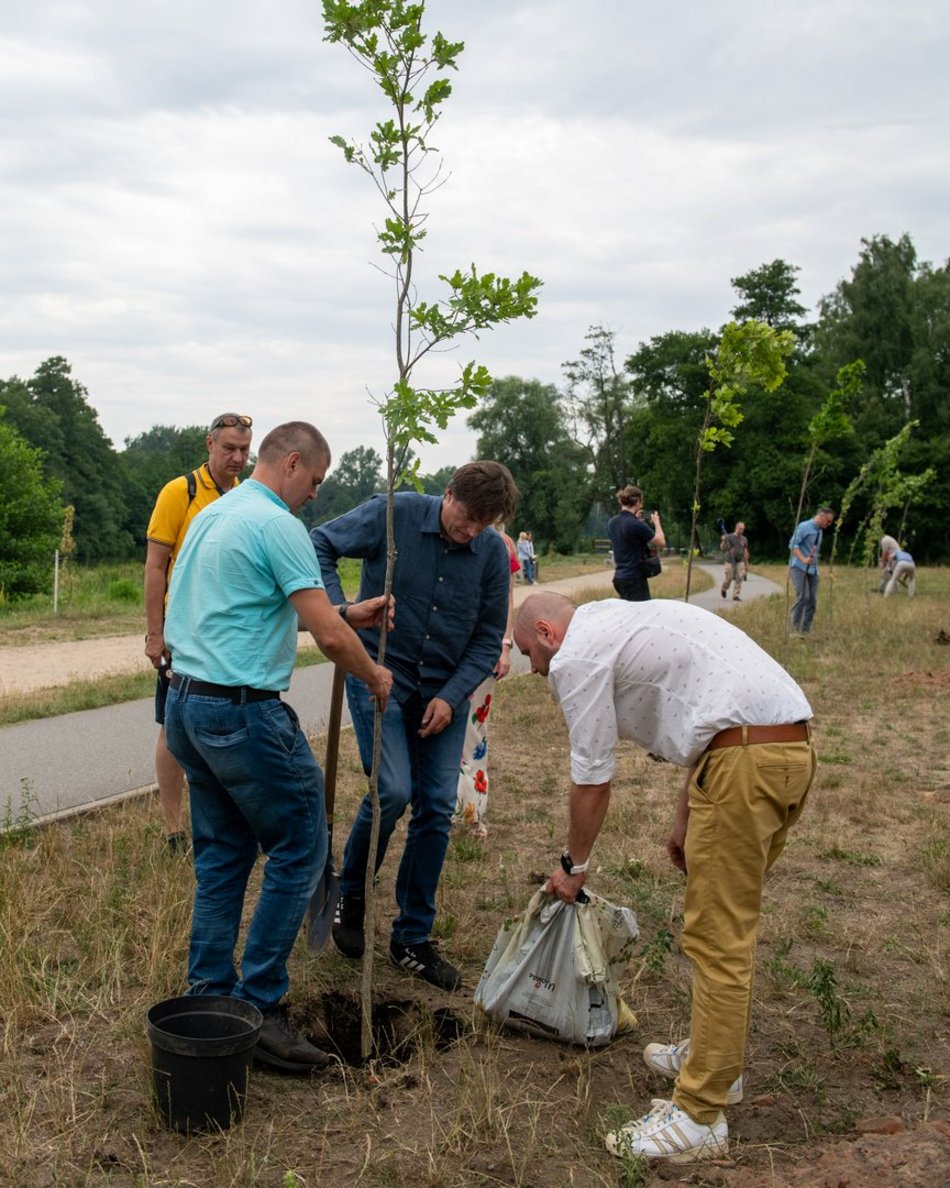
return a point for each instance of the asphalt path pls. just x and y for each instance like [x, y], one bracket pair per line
[55, 767]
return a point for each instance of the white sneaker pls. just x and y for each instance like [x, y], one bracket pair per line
[668, 1132]
[667, 1060]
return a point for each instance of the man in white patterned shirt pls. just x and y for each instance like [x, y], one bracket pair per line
[690, 687]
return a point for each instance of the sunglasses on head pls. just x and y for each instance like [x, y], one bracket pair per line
[229, 421]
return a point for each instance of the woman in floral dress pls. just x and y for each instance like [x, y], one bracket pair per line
[473, 773]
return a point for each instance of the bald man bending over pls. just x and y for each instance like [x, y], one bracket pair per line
[688, 686]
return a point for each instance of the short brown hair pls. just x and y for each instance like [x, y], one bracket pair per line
[629, 495]
[486, 490]
[299, 436]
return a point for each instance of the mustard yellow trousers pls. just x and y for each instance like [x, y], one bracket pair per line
[742, 802]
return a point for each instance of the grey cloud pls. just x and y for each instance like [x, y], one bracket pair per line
[175, 222]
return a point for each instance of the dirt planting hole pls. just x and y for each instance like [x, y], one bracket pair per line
[401, 1027]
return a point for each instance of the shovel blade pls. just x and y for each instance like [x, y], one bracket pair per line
[322, 908]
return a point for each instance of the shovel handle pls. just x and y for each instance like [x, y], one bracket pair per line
[333, 743]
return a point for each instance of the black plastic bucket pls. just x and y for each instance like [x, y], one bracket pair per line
[202, 1049]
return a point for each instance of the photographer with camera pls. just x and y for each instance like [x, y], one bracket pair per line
[633, 539]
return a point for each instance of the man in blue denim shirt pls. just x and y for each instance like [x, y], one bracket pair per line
[450, 584]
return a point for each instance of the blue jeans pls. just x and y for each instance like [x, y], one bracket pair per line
[806, 590]
[254, 783]
[422, 772]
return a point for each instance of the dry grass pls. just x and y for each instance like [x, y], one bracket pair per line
[852, 1011]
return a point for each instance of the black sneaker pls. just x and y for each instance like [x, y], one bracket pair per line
[424, 961]
[348, 925]
[279, 1046]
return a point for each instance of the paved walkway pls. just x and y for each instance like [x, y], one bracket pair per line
[62, 765]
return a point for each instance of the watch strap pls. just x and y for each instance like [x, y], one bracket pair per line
[570, 867]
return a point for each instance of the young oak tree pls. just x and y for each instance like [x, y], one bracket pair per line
[749, 354]
[411, 70]
[830, 422]
[881, 480]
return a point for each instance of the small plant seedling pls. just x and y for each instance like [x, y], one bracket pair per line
[656, 951]
[815, 920]
[851, 857]
[834, 1011]
[634, 1169]
[16, 823]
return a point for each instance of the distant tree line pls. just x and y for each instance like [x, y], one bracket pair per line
[637, 420]
[615, 420]
[64, 486]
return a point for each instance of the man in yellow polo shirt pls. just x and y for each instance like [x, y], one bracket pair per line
[178, 502]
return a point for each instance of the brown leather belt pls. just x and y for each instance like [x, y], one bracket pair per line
[738, 736]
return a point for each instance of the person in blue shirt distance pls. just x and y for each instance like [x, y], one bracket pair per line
[451, 585]
[245, 572]
[898, 565]
[805, 547]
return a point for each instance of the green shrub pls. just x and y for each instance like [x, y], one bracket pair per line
[125, 590]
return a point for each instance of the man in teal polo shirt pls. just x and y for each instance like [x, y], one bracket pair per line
[245, 573]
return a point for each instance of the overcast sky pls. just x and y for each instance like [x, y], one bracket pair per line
[174, 221]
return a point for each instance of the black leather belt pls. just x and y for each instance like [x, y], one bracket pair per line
[236, 694]
[739, 736]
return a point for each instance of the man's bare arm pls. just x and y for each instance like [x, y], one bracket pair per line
[339, 641]
[587, 810]
[156, 566]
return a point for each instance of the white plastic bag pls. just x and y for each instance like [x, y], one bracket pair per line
[554, 971]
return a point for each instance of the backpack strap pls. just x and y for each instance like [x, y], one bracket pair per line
[192, 480]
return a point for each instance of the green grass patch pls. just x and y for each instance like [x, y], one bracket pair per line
[92, 600]
[98, 600]
[79, 695]
[106, 690]
[851, 857]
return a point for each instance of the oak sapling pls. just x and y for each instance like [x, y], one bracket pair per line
[412, 71]
[752, 353]
[830, 422]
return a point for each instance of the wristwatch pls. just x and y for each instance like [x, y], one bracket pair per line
[567, 865]
[342, 610]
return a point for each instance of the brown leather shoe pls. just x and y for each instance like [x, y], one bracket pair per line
[279, 1046]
